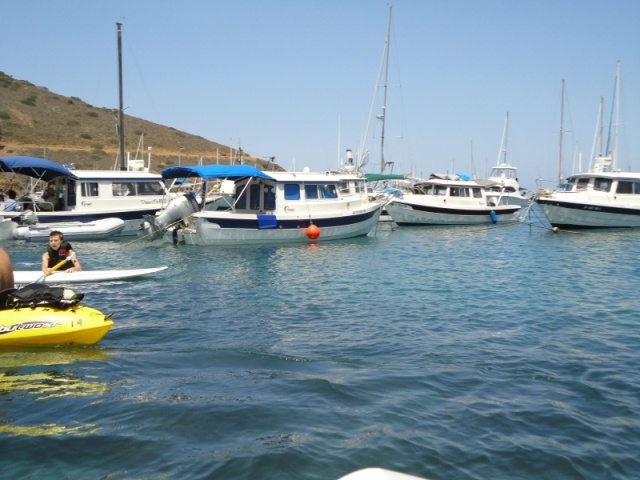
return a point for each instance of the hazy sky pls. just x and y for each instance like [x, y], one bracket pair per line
[295, 79]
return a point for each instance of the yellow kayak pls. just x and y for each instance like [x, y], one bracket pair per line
[48, 325]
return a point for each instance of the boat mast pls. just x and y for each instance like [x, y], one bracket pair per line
[384, 99]
[502, 154]
[121, 110]
[614, 160]
[560, 178]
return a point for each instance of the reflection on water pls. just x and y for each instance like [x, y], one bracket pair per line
[33, 375]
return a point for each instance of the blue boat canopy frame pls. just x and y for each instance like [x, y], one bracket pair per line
[39, 168]
[209, 172]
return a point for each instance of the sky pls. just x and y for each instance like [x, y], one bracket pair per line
[296, 79]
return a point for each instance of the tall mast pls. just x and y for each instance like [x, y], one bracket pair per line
[384, 99]
[560, 178]
[614, 160]
[502, 154]
[121, 110]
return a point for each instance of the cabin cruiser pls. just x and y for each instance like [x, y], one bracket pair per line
[594, 200]
[74, 195]
[451, 199]
[264, 207]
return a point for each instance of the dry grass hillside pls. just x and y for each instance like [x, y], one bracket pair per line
[40, 123]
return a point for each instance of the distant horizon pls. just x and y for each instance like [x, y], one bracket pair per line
[295, 80]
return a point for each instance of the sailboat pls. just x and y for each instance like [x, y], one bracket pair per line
[504, 176]
[602, 197]
[379, 183]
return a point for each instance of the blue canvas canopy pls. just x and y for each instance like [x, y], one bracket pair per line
[208, 172]
[39, 168]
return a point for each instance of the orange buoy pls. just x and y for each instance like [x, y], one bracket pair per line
[313, 232]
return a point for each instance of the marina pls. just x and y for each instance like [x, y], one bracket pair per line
[489, 358]
[257, 304]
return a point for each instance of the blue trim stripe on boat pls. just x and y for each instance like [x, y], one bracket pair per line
[590, 208]
[237, 223]
[453, 211]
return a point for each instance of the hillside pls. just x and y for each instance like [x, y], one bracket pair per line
[40, 123]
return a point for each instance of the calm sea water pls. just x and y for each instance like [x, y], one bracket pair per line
[447, 353]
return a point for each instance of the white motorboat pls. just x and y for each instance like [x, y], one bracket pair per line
[97, 230]
[603, 197]
[86, 195]
[594, 200]
[273, 207]
[450, 200]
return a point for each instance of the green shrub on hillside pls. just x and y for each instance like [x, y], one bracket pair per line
[30, 100]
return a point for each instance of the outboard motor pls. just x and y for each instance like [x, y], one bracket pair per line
[178, 209]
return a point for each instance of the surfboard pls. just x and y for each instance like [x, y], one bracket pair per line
[23, 277]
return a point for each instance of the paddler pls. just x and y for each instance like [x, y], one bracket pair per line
[58, 251]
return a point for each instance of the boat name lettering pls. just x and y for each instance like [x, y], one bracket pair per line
[289, 209]
[87, 204]
[357, 212]
[150, 202]
[587, 207]
[26, 326]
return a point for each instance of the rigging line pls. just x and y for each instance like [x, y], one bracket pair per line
[373, 103]
[141, 77]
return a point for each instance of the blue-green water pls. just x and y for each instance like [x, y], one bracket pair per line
[447, 353]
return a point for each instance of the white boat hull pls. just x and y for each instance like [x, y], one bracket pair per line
[242, 229]
[23, 277]
[567, 214]
[73, 231]
[7, 229]
[405, 213]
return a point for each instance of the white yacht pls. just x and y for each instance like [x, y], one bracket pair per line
[85, 195]
[450, 200]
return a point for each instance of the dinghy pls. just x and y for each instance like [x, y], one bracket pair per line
[73, 231]
[23, 277]
[38, 315]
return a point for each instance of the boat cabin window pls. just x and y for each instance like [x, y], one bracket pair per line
[582, 183]
[291, 191]
[459, 192]
[476, 192]
[89, 189]
[427, 189]
[440, 190]
[602, 184]
[628, 187]
[269, 197]
[317, 191]
[123, 189]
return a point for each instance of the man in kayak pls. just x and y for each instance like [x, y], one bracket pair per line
[6, 271]
[58, 251]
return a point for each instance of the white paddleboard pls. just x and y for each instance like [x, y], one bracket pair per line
[23, 277]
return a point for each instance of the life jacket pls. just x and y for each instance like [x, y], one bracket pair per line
[56, 257]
